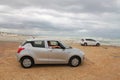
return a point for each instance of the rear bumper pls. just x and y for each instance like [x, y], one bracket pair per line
[17, 57]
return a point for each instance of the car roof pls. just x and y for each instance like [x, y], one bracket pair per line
[36, 39]
[88, 38]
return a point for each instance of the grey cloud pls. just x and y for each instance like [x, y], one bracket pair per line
[91, 6]
[61, 17]
[106, 33]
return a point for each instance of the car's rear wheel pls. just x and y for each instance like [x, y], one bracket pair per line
[75, 61]
[27, 62]
[97, 44]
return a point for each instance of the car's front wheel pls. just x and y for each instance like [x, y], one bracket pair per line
[27, 62]
[75, 61]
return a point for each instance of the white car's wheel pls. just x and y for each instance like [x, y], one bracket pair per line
[85, 44]
[26, 62]
[74, 61]
[98, 44]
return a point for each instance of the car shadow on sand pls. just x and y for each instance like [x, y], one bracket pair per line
[86, 61]
[50, 65]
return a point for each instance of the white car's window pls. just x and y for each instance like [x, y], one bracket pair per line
[90, 40]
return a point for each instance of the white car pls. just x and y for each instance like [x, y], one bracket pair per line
[86, 42]
[37, 51]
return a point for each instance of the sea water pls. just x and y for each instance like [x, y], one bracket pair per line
[103, 41]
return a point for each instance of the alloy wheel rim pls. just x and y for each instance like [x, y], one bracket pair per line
[75, 62]
[27, 62]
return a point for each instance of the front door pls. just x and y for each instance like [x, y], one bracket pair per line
[56, 53]
[57, 56]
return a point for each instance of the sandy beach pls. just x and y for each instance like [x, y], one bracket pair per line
[101, 63]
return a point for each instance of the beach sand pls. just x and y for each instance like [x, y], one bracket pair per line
[101, 63]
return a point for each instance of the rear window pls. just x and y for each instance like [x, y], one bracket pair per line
[40, 44]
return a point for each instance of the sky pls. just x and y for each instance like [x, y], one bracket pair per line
[73, 18]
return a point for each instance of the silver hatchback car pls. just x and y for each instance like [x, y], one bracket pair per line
[37, 51]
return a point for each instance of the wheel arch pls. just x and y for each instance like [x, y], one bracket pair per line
[97, 44]
[28, 57]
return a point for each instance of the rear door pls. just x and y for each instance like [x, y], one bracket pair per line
[40, 51]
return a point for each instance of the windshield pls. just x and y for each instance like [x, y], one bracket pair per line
[65, 45]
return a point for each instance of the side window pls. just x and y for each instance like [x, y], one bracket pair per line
[93, 40]
[40, 44]
[87, 39]
[54, 44]
[90, 40]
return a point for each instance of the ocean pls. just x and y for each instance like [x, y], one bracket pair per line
[103, 41]
[113, 42]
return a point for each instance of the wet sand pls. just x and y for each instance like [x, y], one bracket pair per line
[101, 63]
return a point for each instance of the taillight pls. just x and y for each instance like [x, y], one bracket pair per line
[20, 49]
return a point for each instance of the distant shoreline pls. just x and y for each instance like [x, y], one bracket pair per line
[8, 41]
[21, 38]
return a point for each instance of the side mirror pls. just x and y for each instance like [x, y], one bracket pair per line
[63, 48]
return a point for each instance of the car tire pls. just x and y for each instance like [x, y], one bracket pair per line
[82, 44]
[85, 44]
[74, 61]
[27, 62]
[98, 44]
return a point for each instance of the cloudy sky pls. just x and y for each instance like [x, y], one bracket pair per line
[89, 18]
